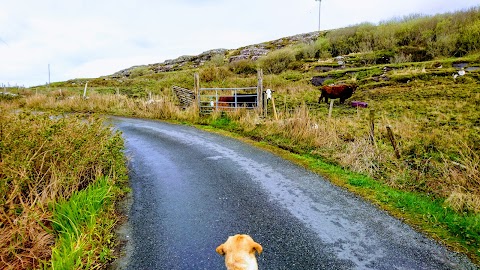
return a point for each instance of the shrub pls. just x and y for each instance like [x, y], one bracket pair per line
[417, 54]
[401, 58]
[213, 73]
[244, 66]
[218, 60]
[140, 71]
[277, 61]
[306, 51]
[445, 45]
[469, 39]
[323, 48]
[384, 37]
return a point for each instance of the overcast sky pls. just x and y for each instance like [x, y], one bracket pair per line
[92, 38]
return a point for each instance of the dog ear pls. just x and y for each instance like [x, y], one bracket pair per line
[220, 250]
[257, 247]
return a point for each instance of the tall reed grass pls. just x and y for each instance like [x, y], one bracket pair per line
[45, 158]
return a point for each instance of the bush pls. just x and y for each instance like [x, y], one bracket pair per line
[469, 39]
[244, 66]
[218, 60]
[416, 54]
[317, 49]
[212, 73]
[306, 51]
[400, 58]
[277, 61]
[140, 71]
[441, 35]
[323, 48]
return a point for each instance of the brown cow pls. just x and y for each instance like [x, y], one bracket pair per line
[342, 91]
[242, 100]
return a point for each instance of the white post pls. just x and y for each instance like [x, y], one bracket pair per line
[330, 109]
[85, 91]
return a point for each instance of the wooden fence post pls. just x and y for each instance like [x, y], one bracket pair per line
[372, 126]
[392, 140]
[260, 102]
[196, 90]
[196, 84]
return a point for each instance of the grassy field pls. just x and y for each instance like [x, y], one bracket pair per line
[404, 71]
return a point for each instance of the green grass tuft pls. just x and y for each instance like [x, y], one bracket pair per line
[78, 224]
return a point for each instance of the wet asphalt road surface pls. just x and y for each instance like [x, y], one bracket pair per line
[192, 189]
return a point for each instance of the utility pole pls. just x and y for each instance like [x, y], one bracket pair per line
[48, 74]
[319, 12]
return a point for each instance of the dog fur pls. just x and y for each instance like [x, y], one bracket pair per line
[239, 251]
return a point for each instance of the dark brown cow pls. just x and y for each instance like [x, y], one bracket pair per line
[342, 91]
[243, 100]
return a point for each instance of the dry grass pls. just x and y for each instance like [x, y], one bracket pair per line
[23, 238]
[409, 71]
[44, 159]
[463, 182]
[434, 160]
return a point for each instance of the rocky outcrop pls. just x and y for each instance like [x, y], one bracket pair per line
[125, 72]
[196, 60]
[174, 64]
[252, 52]
[305, 38]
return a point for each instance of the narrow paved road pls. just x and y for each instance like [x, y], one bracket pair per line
[192, 189]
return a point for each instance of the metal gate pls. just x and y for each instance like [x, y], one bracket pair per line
[227, 99]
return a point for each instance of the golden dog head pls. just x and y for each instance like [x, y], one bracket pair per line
[239, 251]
